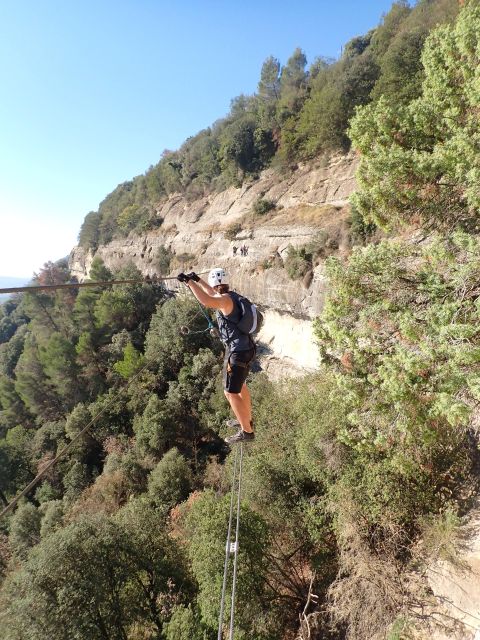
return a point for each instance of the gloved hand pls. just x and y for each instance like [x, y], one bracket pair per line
[182, 277]
[193, 276]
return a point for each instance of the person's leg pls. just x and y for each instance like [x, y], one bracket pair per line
[241, 407]
[245, 395]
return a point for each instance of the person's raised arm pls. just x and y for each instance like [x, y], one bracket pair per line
[201, 283]
[222, 302]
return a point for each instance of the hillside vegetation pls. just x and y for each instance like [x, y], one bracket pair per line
[299, 112]
[360, 475]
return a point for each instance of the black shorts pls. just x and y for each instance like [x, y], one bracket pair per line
[236, 367]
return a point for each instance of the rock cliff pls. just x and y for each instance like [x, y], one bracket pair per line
[204, 233]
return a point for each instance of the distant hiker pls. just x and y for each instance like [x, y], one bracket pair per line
[235, 251]
[245, 250]
[231, 310]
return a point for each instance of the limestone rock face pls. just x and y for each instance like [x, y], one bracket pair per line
[312, 200]
[457, 588]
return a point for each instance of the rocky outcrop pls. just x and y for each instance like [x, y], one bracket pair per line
[200, 234]
[203, 234]
[456, 588]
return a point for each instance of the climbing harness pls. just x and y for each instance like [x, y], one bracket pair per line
[232, 547]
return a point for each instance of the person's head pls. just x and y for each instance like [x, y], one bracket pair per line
[218, 279]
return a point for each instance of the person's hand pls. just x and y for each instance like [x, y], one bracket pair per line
[193, 276]
[182, 277]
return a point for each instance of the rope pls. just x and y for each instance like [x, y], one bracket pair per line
[228, 547]
[210, 326]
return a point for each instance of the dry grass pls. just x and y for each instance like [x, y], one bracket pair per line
[369, 591]
[317, 215]
[107, 495]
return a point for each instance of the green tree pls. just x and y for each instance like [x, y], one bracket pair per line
[155, 428]
[52, 517]
[184, 623]
[90, 231]
[33, 386]
[170, 482]
[293, 85]
[269, 83]
[13, 409]
[238, 152]
[131, 363]
[101, 577]
[24, 529]
[57, 358]
[419, 161]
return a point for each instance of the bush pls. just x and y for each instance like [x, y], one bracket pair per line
[360, 230]
[298, 262]
[170, 481]
[232, 230]
[163, 260]
[263, 206]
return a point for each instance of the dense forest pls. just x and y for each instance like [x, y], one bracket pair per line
[361, 473]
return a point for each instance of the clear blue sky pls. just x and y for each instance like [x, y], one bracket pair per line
[91, 93]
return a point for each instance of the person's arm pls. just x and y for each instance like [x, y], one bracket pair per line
[205, 286]
[222, 302]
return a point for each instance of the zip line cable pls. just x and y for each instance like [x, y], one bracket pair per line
[232, 547]
[76, 285]
[211, 327]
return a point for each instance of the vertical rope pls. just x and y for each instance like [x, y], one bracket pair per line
[227, 550]
[234, 580]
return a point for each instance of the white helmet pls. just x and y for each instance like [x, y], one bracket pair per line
[217, 276]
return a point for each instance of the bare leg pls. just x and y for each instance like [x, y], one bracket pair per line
[241, 407]
[245, 395]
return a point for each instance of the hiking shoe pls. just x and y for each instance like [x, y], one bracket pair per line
[240, 436]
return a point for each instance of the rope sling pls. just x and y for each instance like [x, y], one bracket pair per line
[232, 547]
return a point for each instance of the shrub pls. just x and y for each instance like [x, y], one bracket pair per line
[263, 206]
[163, 260]
[298, 262]
[232, 230]
[170, 481]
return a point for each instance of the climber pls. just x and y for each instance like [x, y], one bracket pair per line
[239, 346]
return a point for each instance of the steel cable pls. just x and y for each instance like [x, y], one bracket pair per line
[227, 550]
[236, 490]
[237, 534]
